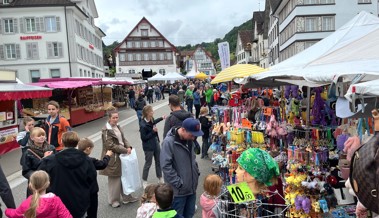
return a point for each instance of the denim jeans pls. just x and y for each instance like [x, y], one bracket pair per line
[185, 205]
[131, 101]
[139, 115]
[205, 147]
[189, 105]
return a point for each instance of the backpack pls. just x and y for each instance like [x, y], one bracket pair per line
[364, 172]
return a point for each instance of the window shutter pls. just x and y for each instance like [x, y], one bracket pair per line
[35, 50]
[15, 26]
[1, 52]
[49, 49]
[22, 29]
[58, 20]
[1, 26]
[37, 23]
[29, 51]
[18, 54]
[42, 24]
[60, 49]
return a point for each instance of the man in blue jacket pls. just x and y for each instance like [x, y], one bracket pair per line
[179, 166]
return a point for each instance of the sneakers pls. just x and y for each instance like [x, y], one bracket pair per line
[129, 199]
[144, 184]
[115, 204]
[160, 180]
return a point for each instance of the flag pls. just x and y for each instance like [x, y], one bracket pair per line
[224, 53]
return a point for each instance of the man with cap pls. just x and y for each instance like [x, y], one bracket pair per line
[179, 166]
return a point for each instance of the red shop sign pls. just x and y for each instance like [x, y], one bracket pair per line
[91, 46]
[30, 37]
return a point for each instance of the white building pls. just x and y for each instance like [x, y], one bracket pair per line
[260, 47]
[50, 39]
[200, 60]
[243, 47]
[145, 49]
[302, 23]
[273, 32]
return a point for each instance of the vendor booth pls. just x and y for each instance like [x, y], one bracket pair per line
[10, 92]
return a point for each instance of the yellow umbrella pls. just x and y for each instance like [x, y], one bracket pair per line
[201, 76]
[237, 71]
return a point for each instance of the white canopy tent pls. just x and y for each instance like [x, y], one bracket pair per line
[156, 77]
[191, 74]
[350, 50]
[173, 76]
[366, 89]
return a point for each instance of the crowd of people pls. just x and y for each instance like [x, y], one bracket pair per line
[62, 178]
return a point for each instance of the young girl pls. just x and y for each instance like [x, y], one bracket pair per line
[55, 126]
[208, 201]
[40, 204]
[37, 148]
[24, 136]
[148, 204]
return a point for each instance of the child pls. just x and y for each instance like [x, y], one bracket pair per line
[40, 204]
[148, 203]
[23, 136]
[164, 195]
[206, 124]
[36, 149]
[212, 188]
[56, 125]
[87, 146]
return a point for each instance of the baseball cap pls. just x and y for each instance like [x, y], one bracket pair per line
[193, 126]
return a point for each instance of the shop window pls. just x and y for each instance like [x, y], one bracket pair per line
[35, 75]
[55, 73]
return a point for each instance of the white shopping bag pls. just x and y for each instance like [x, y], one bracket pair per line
[130, 177]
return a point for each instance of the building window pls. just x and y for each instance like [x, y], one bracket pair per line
[52, 24]
[364, 1]
[5, 2]
[32, 50]
[169, 56]
[122, 57]
[152, 44]
[327, 23]
[55, 73]
[12, 51]
[144, 32]
[161, 56]
[145, 44]
[162, 71]
[54, 49]
[138, 57]
[35, 75]
[311, 2]
[30, 25]
[146, 57]
[310, 24]
[137, 44]
[129, 44]
[10, 25]
[132, 71]
[154, 56]
[160, 43]
[130, 57]
[81, 72]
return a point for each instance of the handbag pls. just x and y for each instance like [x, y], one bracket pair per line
[196, 147]
[130, 176]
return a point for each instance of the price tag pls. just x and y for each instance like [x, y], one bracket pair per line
[241, 192]
[267, 111]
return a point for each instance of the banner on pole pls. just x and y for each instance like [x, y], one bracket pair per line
[224, 53]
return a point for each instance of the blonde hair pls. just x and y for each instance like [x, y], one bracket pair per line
[27, 119]
[70, 139]
[39, 182]
[204, 110]
[148, 193]
[212, 184]
[54, 103]
[85, 143]
[37, 131]
[146, 110]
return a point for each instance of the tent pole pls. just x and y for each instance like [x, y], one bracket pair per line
[308, 105]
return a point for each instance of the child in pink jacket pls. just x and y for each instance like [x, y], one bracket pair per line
[208, 201]
[40, 204]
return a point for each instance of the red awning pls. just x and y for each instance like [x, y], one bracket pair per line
[17, 91]
[65, 84]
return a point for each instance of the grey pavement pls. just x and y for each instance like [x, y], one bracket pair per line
[128, 122]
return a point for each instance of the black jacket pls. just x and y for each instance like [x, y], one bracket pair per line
[30, 162]
[150, 139]
[99, 165]
[140, 103]
[176, 119]
[205, 125]
[72, 174]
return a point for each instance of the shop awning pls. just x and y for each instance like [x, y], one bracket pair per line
[65, 84]
[237, 71]
[17, 91]
[115, 81]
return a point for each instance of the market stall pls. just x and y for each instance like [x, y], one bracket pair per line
[10, 92]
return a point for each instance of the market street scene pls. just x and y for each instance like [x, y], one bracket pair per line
[158, 109]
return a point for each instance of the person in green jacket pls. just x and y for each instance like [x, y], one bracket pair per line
[164, 195]
[189, 98]
[208, 95]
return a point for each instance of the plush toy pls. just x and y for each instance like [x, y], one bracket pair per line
[318, 106]
[341, 139]
[316, 206]
[294, 91]
[295, 106]
[306, 205]
[271, 128]
[287, 91]
[351, 145]
[291, 118]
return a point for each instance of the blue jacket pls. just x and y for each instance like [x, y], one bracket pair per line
[196, 98]
[179, 166]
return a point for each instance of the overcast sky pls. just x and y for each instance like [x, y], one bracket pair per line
[181, 22]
